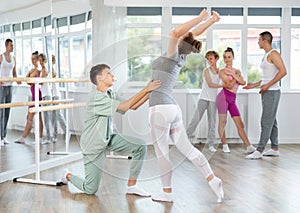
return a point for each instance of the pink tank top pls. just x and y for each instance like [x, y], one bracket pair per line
[236, 85]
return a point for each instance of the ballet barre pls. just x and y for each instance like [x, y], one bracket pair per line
[31, 103]
[36, 109]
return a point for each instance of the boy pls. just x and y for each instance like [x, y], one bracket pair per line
[97, 134]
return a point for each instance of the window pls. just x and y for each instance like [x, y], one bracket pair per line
[295, 19]
[294, 59]
[17, 29]
[77, 22]
[229, 15]
[63, 62]
[47, 24]
[144, 45]
[255, 55]
[62, 25]
[264, 16]
[26, 28]
[27, 65]
[144, 14]
[77, 56]
[19, 55]
[36, 26]
[37, 44]
[228, 38]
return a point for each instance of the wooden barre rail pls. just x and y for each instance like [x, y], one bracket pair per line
[56, 107]
[31, 103]
[44, 80]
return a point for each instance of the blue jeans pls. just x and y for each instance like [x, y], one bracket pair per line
[269, 130]
[5, 97]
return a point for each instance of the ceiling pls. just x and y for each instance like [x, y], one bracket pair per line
[14, 5]
[12, 11]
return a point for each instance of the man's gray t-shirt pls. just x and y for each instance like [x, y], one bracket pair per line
[165, 69]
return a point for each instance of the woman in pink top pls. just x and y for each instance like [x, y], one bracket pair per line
[226, 101]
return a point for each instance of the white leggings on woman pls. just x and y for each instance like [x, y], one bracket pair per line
[166, 123]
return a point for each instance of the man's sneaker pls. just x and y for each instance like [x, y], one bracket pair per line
[2, 142]
[250, 149]
[64, 179]
[20, 140]
[271, 152]
[225, 148]
[6, 141]
[255, 155]
[54, 140]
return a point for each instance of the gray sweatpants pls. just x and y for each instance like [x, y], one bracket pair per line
[94, 164]
[211, 117]
[269, 130]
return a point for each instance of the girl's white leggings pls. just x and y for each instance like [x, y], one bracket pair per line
[166, 123]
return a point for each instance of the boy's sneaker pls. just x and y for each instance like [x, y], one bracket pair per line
[2, 142]
[271, 152]
[20, 140]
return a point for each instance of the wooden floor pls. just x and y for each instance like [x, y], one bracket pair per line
[268, 185]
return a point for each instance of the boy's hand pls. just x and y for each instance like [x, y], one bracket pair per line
[153, 85]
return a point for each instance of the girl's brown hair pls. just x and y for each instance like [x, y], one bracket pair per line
[190, 44]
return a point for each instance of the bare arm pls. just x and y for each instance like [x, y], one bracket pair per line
[227, 83]
[238, 77]
[201, 28]
[141, 97]
[15, 72]
[182, 30]
[209, 81]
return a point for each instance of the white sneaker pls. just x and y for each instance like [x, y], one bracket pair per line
[163, 197]
[64, 179]
[6, 141]
[20, 140]
[226, 148]
[250, 149]
[212, 149]
[54, 140]
[45, 142]
[271, 152]
[2, 142]
[135, 190]
[255, 155]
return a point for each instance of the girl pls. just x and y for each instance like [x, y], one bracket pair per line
[165, 115]
[226, 101]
